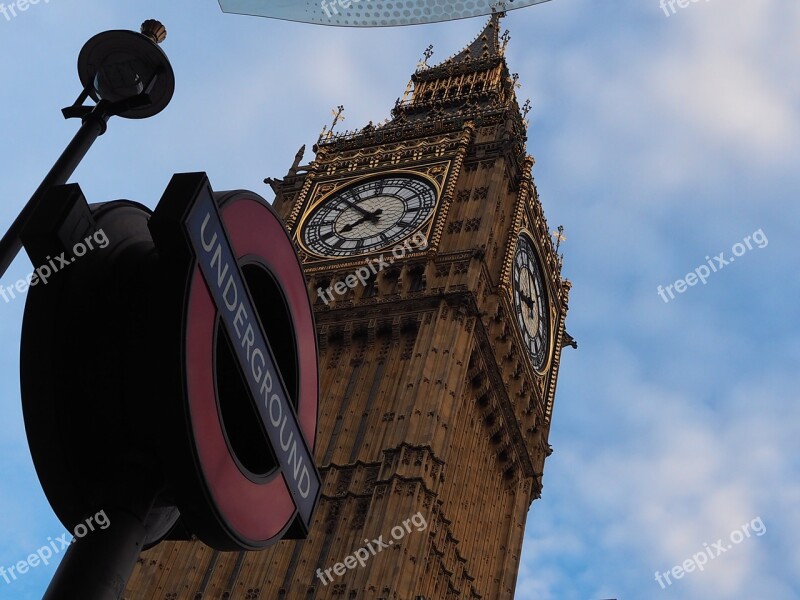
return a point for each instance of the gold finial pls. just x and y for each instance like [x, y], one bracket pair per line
[427, 55]
[505, 38]
[526, 108]
[499, 9]
[338, 115]
[155, 30]
[560, 237]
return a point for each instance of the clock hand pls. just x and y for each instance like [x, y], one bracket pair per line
[350, 226]
[530, 303]
[527, 300]
[370, 216]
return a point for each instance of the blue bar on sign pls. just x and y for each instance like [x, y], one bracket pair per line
[253, 353]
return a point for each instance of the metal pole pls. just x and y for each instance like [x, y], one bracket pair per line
[94, 125]
[98, 566]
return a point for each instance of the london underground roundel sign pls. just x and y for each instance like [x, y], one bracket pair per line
[241, 440]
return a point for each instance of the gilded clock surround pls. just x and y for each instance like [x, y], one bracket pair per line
[550, 310]
[435, 174]
[429, 401]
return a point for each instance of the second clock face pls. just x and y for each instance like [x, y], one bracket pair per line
[369, 215]
[530, 302]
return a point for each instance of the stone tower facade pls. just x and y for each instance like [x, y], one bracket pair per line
[440, 312]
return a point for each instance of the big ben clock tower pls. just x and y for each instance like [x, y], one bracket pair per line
[440, 311]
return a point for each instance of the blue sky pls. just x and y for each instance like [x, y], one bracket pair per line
[659, 140]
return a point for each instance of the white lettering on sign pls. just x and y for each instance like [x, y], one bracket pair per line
[224, 278]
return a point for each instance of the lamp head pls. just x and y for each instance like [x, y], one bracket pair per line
[119, 65]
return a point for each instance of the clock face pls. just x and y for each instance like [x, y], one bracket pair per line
[369, 215]
[530, 302]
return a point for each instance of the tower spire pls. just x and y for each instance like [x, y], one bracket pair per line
[474, 81]
[489, 43]
[474, 84]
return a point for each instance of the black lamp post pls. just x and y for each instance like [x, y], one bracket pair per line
[127, 75]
